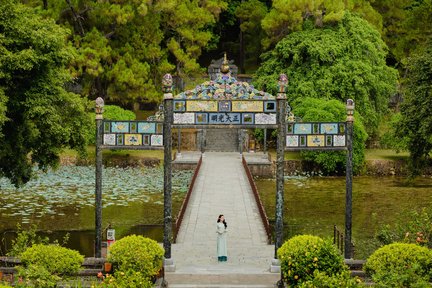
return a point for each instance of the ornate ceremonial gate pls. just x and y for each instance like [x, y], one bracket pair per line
[221, 103]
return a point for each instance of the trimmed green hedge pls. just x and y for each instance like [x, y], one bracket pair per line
[55, 259]
[302, 256]
[137, 253]
[400, 265]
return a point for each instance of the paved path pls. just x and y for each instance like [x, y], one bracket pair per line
[222, 188]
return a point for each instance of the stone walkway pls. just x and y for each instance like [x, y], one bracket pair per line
[222, 188]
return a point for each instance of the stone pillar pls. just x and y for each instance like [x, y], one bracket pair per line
[349, 253]
[265, 141]
[281, 119]
[240, 139]
[167, 142]
[98, 183]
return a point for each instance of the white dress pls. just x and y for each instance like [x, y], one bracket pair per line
[221, 241]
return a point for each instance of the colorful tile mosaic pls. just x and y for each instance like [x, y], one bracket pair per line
[292, 141]
[133, 139]
[184, 118]
[146, 127]
[339, 140]
[302, 128]
[207, 106]
[109, 139]
[120, 127]
[263, 119]
[329, 128]
[224, 87]
[247, 106]
[315, 141]
[156, 140]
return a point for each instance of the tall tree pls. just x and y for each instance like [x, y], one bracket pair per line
[251, 13]
[415, 124]
[288, 16]
[334, 62]
[41, 117]
[188, 30]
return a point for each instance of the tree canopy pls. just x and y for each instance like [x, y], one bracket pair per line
[286, 17]
[415, 124]
[341, 61]
[38, 116]
[312, 109]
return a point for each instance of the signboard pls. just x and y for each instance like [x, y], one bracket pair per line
[132, 134]
[316, 135]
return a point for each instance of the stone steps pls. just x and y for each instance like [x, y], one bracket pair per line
[222, 140]
[221, 280]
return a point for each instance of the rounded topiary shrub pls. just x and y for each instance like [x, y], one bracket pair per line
[303, 255]
[137, 253]
[400, 265]
[55, 259]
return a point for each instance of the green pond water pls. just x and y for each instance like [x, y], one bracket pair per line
[313, 205]
[62, 201]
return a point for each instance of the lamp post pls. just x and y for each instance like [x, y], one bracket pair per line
[98, 185]
[167, 83]
[349, 177]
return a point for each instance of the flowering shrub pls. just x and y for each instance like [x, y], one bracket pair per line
[55, 259]
[323, 280]
[302, 255]
[400, 265]
[138, 254]
[130, 279]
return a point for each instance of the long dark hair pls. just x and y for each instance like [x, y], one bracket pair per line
[224, 222]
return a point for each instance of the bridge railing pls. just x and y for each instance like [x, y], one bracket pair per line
[339, 240]
[261, 210]
[186, 200]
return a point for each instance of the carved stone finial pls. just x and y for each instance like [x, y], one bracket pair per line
[282, 83]
[350, 110]
[225, 65]
[167, 83]
[99, 107]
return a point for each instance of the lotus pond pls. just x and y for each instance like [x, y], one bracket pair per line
[62, 201]
[312, 205]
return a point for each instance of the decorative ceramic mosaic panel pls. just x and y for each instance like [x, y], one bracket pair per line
[146, 127]
[109, 139]
[156, 140]
[184, 118]
[262, 118]
[224, 87]
[292, 141]
[339, 140]
[133, 139]
[208, 106]
[316, 135]
[315, 141]
[247, 106]
[131, 133]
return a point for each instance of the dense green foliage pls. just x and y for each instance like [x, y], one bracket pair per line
[25, 239]
[137, 254]
[54, 258]
[322, 280]
[125, 47]
[415, 228]
[42, 118]
[400, 265]
[113, 112]
[415, 125]
[302, 255]
[312, 109]
[335, 62]
[286, 17]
